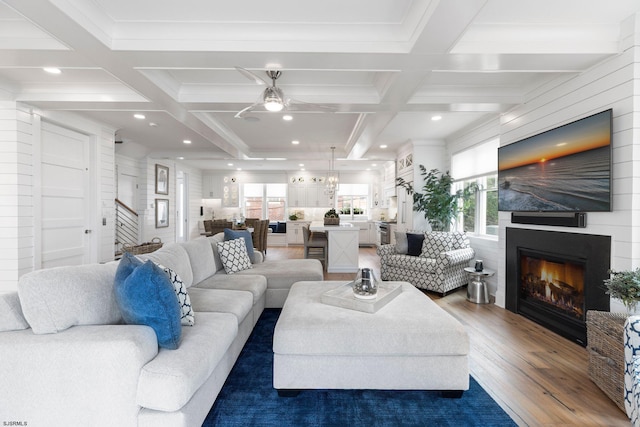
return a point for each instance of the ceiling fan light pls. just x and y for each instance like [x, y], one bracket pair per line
[273, 105]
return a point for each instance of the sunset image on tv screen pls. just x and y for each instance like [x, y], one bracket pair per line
[565, 169]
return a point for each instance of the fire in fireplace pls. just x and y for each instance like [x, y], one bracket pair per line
[553, 278]
[556, 285]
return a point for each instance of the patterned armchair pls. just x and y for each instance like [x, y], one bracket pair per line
[438, 268]
[632, 369]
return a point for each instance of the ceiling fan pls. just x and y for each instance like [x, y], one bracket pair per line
[273, 99]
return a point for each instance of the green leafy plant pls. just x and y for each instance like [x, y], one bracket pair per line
[436, 201]
[625, 285]
[331, 213]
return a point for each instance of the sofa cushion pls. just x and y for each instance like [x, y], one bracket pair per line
[174, 256]
[201, 258]
[55, 299]
[437, 242]
[253, 283]
[11, 317]
[414, 244]
[169, 380]
[401, 242]
[244, 234]
[214, 247]
[281, 274]
[408, 262]
[238, 303]
[147, 297]
[233, 254]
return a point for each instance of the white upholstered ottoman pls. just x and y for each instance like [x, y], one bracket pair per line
[409, 344]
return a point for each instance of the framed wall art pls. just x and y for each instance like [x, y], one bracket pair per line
[162, 179]
[162, 213]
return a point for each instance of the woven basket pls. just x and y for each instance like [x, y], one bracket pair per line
[143, 248]
[332, 221]
[605, 341]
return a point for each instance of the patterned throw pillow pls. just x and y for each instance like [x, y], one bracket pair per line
[233, 254]
[187, 318]
[435, 243]
[246, 235]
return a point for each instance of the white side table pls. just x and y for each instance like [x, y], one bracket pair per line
[477, 291]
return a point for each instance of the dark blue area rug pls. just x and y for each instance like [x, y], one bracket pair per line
[249, 399]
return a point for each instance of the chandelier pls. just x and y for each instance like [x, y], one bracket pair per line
[333, 179]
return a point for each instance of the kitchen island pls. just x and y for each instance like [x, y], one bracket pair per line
[342, 246]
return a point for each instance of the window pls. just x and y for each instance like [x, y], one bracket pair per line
[478, 164]
[264, 201]
[353, 199]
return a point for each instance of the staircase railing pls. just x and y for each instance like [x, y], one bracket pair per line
[126, 227]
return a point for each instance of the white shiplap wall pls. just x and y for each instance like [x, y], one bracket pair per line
[20, 187]
[611, 84]
[16, 194]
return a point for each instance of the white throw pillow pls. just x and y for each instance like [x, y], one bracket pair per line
[187, 318]
[234, 256]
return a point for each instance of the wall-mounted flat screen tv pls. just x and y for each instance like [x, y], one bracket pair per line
[566, 169]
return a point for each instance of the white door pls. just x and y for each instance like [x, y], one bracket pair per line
[128, 190]
[182, 207]
[65, 234]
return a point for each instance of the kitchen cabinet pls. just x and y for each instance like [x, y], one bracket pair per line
[307, 196]
[294, 232]
[297, 196]
[368, 232]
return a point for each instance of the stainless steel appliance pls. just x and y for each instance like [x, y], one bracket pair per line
[385, 236]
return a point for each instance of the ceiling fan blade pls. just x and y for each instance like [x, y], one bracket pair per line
[239, 114]
[297, 105]
[253, 77]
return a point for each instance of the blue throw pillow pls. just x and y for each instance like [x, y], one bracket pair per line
[245, 234]
[414, 244]
[127, 264]
[147, 297]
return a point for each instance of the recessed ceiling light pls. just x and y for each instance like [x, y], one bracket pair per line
[301, 165]
[153, 125]
[229, 164]
[52, 70]
[383, 146]
[139, 116]
[295, 142]
[180, 158]
[186, 141]
[436, 118]
[374, 165]
[238, 169]
[302, 169]
[287, 117]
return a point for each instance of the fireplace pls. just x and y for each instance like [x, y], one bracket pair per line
[553, 278]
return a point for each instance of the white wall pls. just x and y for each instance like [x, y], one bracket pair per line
[20, 191]
[611, 84]
[16, 194]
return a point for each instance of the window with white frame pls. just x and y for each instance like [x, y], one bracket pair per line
[352, 199]
[264, 201]
[478, 164]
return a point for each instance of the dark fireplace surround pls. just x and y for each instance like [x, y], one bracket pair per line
[592, 253]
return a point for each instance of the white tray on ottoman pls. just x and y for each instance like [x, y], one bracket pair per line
[409, 344]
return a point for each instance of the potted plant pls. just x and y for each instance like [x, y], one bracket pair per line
[625, 285]
[331, 217]
[439, 205]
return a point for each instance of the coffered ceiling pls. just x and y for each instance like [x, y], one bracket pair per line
[368, 73]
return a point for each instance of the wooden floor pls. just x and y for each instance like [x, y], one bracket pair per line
[536, 376]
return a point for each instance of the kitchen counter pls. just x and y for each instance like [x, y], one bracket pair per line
[342, 246]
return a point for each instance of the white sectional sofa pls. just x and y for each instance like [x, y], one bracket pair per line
[66, 358]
